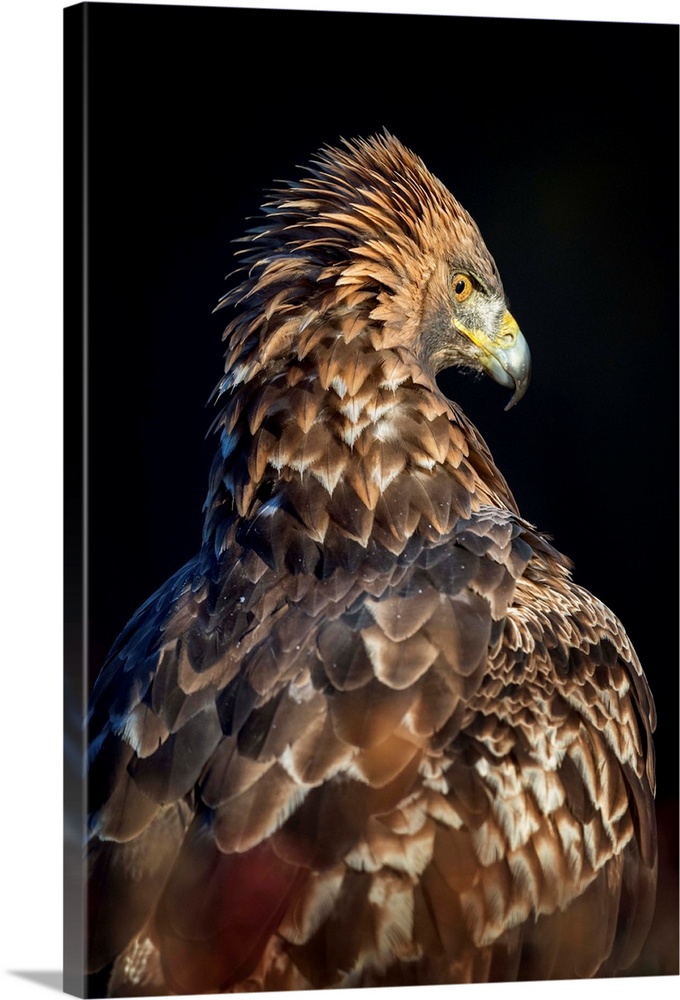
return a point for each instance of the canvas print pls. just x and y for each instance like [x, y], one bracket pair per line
[368, 680]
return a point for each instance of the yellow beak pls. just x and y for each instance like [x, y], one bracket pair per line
[506, 356]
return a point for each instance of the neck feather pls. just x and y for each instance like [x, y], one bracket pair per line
[343, 444]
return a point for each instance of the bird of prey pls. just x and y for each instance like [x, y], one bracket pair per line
[373, 733]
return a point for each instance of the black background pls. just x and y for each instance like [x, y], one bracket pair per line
[560, 138]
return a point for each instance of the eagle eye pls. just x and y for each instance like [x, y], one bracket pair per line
[462, 286]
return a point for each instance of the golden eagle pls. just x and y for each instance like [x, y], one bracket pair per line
[373, 733]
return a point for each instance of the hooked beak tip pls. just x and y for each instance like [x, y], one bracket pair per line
[521, 386]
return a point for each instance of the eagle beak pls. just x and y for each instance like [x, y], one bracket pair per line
[509, 359]
[506, 357]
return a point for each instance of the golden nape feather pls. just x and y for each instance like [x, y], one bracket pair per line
[373, 734]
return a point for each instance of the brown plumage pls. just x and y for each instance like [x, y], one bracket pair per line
[373, 734]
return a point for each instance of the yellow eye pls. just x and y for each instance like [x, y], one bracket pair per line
[462, 286]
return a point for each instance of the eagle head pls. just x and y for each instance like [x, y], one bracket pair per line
[369, 224]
